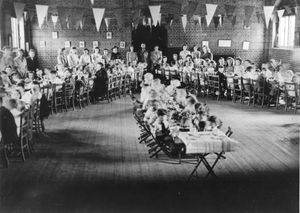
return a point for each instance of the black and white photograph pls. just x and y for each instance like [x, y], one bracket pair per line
[149, 106]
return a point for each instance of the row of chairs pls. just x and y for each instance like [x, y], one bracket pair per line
[29, 123]
[262, 92]
[163, 142]
[66, 96]
[118, 85]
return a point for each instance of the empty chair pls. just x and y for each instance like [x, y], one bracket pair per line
[258, 91]
[69, 96]
[291, 94]
[58, 102]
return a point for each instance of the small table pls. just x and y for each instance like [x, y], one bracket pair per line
[203, 144]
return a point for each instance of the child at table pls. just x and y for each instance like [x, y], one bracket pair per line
[13, 108]
[212, 123]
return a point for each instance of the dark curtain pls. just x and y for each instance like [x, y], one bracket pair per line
[150, 36]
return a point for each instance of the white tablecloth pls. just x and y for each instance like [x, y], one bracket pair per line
[207, 142]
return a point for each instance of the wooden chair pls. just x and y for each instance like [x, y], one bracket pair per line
[24, 134]
[214, 86]
[79, 93]
[258, 91]
[36, 124]
[292, 96]
[69, 96]
[273, 94]
[110, 89]
[230, 88]
[246, 90]
[238, 89]
[57, 97]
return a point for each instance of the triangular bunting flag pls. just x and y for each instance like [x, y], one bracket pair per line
[19, 9]
[192, 8]
[92, 2]
[248, 13]
[98, 15]
[258, 16]
[230, 10]
[184, 21]
[185, 7]
[280, 13]
[216, 21]
[268, 11]
[159, 19]
[200, 10]
[107, 22]
[54, 18]
[25, 13]
[41, 11]
[155, 13]
[210, 8]
[233, 21]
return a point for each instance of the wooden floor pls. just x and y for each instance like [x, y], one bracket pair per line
[90, 161]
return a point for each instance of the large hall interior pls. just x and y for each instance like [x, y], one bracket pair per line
[149, 106]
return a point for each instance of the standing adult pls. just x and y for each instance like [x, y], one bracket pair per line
[131, 55]
[156, 56]
[21, 64]
[7, 59]
[184, 53]
[73, 59]
[85, 59]
[143, 54]
[115, 55]
[32, 62]
[62, 60]
[101, 81]
[196, 54]
[96, 56]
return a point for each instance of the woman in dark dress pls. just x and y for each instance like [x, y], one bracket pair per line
[101, 81]
[206, 53]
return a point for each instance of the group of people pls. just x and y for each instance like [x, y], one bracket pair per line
[163, 107]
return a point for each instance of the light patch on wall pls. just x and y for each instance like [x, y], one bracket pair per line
[67, 44]
[82, 44]
[42, 44]
[246, 45]
[54, 35]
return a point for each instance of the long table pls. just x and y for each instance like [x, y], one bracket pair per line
[203, 144]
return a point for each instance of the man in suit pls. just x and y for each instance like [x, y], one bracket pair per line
[32, 63]
[143, 54]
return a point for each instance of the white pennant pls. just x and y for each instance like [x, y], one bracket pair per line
[54, 19]
[107, 22]
[98, 15]
[211, 9]
[155, 13]
[184, 21]
[92, 2]
[268, 10]
[280, 13]
[25, 13]
[19, 9]
[199, 20]
[149, 22]
[159, 19]
[171, 22]
[41, 11]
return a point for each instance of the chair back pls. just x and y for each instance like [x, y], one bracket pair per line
[291, 89]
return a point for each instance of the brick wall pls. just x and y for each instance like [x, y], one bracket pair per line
[176, 36]
[237, 34]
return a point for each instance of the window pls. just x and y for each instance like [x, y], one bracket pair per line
[17, 33]
[14, 33]
[286, 32]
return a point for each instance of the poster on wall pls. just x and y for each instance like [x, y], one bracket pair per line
[205, 43]
[95, 44]
[82, 44]
[67, 44]
[42, 44]
[108, 35]
[224, 43]
[54, 35]
[122, 44]
[246, 45]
